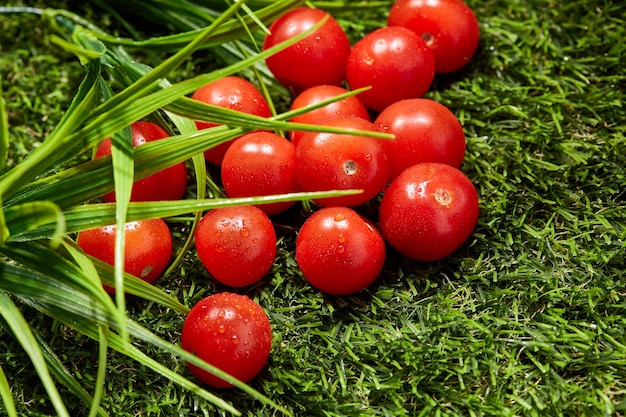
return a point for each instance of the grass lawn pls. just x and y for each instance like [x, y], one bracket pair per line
[528, 318]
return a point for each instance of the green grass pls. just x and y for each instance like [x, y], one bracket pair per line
[528, 318]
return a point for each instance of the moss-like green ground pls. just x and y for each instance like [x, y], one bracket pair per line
[528, 318]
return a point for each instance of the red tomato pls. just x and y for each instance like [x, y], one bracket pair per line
[395, 62]
[313, 95]
[428, 211]
[168, 184]
[232, 333]
[237, 245]
[338, 251]
[232, 93]
[147, 248]
[332, 161]
[425, 131]
[449, 28]
[320, 58]
[261, 163]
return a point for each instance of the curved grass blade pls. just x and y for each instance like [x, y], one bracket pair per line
[20, 328]
[7, 397]
[4, 132]
[103, 346]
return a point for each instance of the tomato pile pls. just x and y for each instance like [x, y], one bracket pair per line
[427, 207]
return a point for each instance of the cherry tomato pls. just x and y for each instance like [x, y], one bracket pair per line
[237, 245]
[168, 184]
[425, 131]
[319, 58]
[261, 163]
[428, 211]
[338, 251]
[232, 93]
[313, 95]
[395, 62]
[449, 28]
[232, 333]
[332, 161]
[147, 248]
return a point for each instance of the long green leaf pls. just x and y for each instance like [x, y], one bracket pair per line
[4, 132]
[7, 396]
[21, 330]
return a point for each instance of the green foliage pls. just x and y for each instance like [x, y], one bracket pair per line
[528, 318]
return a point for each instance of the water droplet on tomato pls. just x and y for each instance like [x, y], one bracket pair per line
[341, 249]
[221, 314]
[368, 156]
[221, 329]
[235, 339]
[339, 217]
[244, 232]
[341, 238]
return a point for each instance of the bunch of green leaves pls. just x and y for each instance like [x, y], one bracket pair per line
[52, 194]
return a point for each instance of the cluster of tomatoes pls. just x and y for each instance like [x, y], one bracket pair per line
[427, 207]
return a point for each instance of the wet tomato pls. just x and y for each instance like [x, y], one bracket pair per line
[234, 93]
[335, 161]
[319, 58]
[147, 248]
[425, 131]
[428, 211]
[260, 163]
[237, 245]
[395, 62]
[168, 184]
[232, 333]
[349, 106]
[338, 251]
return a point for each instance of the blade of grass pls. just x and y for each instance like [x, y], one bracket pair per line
[7, 396]
[4, 132]
[20, 328]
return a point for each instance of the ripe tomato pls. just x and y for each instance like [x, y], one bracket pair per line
[232, 93]
[332, 161]
[449, 28]
[338, 251]
[320, 58]
[232, 333]
[428, 211]
[313, 95]
[425, 131]
[237, 245]
[261, 163]
[395, 62]
[147, 248]
[168, 184]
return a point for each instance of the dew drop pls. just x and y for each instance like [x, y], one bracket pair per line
[341, 238]
[341, 249]
[244, 232]
[368, 156]
[235, 339]
[221, 329]
[338, 157]
[221, 314]
[339, 217]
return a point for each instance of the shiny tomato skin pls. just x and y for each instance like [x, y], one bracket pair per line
[449, 27]
[319, 58]
[428, 211]
[333, 161]
[395, 62]
[229, 331]
[338, 251]
[234, 93]
[168, 184]
[316, 94]
[424, 130]
[261, 163]
[147, 248]
[237, 244]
